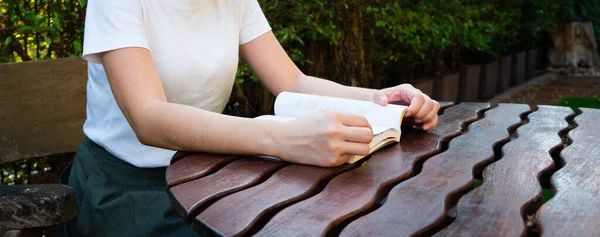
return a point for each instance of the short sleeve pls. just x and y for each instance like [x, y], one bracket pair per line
[254, 22]
[113, 24]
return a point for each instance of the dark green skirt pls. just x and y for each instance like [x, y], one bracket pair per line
[115, 198]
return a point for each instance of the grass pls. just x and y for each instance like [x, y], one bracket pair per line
[580, 102]
[477, 183]
[547, 195]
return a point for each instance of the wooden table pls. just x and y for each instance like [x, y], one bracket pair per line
[422, 186]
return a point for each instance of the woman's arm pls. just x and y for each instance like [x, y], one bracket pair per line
[324, 139]
[279, 73]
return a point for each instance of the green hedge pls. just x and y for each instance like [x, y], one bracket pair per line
[590, 11]
[360, 42]
[396, 31]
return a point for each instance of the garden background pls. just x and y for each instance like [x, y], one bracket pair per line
[371, 43]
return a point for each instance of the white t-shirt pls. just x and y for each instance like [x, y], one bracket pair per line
[194, 45]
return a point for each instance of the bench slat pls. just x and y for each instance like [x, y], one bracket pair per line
[575, 209]
[43, 108]
[194, 195]
[195, 166]
[236, 214]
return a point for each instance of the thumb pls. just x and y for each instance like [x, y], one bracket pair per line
[380, 98]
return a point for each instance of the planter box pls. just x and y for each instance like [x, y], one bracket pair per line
[504, 74]
[468, 88]
[489, 76]
[518, 69]
[532, 61]
[446, 88]
[426, 86]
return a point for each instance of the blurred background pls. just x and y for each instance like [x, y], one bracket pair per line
[517, 51]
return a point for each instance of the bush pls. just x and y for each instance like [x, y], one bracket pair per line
[35, 30]
[432, 30]
[355, 42]
[589, 10]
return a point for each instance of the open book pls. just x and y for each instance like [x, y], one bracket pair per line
[385, 120]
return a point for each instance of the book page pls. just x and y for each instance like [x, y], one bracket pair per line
[379, 129]
[376, 129]
[290, 104]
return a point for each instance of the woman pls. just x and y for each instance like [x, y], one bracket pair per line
[160, 74]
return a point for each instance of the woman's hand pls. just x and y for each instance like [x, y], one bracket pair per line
[421, 107]
[323, 139]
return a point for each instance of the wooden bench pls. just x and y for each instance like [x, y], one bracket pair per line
[43, 110]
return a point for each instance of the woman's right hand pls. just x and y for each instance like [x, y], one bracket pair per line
[324, 139]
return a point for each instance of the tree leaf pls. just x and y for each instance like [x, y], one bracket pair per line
[7, 41]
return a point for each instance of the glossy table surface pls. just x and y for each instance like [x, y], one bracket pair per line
[482, 171]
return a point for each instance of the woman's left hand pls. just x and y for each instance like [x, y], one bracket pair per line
[422, 108]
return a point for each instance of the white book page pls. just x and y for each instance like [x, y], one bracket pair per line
[290, 104]
[376, 129]
[379, 129]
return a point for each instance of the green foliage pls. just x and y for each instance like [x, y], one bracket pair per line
[580, 102]
[589, 10]
[543, 17]
[293, 23]
[430, 28]
[35, 29]
[425, 35]
[22, 172]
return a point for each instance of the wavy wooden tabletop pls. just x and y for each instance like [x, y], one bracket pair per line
[423, 185]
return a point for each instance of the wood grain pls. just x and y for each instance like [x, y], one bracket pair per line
[192, 196]
[497, 207]
[419, 204]
[236, 214]
[357, 190]
[195, 166]
[575, 209]
[35, 205]
[43, 107]
[488, 80]
[468, 85]
[446, 88]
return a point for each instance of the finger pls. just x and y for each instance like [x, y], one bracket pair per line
[345, 158]
[425, 109]
[352, 120]
[415, 105]
[356, 148]
[401, 94]
[432, 113]
[358, 134]
[431, 124]
[336, 161]
[380, 98]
